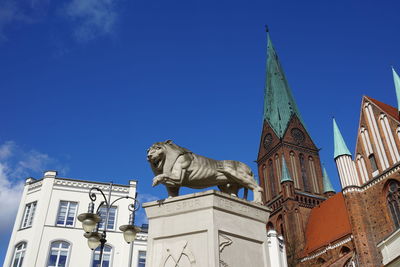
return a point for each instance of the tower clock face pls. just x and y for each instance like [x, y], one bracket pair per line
[297, 135]
[267, 140]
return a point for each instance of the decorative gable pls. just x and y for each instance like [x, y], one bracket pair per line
[297, 135]
[378, 138]
[268, 142]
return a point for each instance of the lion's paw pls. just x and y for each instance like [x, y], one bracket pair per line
[157, 180]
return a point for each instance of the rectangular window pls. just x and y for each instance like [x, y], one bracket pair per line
[106, 259]
[29, 212]
[142, 259]
[66, 213]
[112, 217]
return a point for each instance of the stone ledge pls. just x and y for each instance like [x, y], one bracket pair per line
[205, 200]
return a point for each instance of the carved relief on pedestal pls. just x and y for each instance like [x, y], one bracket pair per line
[178, 255]
[224, 241]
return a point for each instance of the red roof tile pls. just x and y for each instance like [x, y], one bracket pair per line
[392, 111]
[327, 223]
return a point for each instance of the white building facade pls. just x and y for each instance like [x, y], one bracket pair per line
[47, 233]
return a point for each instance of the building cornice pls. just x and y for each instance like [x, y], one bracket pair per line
[82, 184]
[372, 182]
[327, 248]
[35, 185]
[88, 185]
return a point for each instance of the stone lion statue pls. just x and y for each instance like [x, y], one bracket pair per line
[175, 166]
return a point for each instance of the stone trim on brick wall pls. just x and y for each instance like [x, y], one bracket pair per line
[326, 249]
[372, 182]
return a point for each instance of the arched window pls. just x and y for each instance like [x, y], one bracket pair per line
[344, 250]
[272, 178]
[278, 171]
[294, 170]
[362, 168]
[398, 132]
[313, 175]
[352, 262]
[59, 253]
[19, 254]
[366, 141]
[376, 137]
[391, 144]
[374, 167]
[304, 173]
[270, 226]
[393, 198]
[266, 187]
[107, 255]
[280, 226]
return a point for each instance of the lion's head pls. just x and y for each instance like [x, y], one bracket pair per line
[162, 155]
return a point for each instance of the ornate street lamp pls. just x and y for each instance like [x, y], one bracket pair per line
[90, 220]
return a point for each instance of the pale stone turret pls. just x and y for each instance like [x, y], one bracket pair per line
[345, 165]
[396, 80]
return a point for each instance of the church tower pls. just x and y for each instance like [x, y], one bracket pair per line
[288, 160]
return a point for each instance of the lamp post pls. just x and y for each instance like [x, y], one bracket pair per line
[90, 220]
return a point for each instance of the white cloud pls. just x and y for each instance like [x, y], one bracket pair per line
[9, 13]
[17, 11]
[6, 150]
[10, 195]
[15, 165]
[90, 18]
[93, 18]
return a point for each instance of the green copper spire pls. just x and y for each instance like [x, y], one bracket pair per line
[340, 145]
[327, 182]
[279, 104]
[285, 172]
[396, 80]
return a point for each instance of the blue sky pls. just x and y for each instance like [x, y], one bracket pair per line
[88, 85]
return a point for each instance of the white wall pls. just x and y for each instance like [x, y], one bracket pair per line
[48, 192]
[390, 249]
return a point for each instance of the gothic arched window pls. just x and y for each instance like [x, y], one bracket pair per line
[393, 198]
[270, 226]
[266, 189]
[344, 250]
[374, 166]
[280, 226]
[278, 171]
[294, 169]
[272, 178]
[313, 174]
[304, 173]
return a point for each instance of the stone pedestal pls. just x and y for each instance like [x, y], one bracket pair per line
[206, 229]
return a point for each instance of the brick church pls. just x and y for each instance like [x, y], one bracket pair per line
[322, 227]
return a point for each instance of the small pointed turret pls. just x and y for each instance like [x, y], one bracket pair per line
[328, 188]
[279, 104]
[346, 167]
[340, 145]
[286, 181]
[396, 80]
[285, 172]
